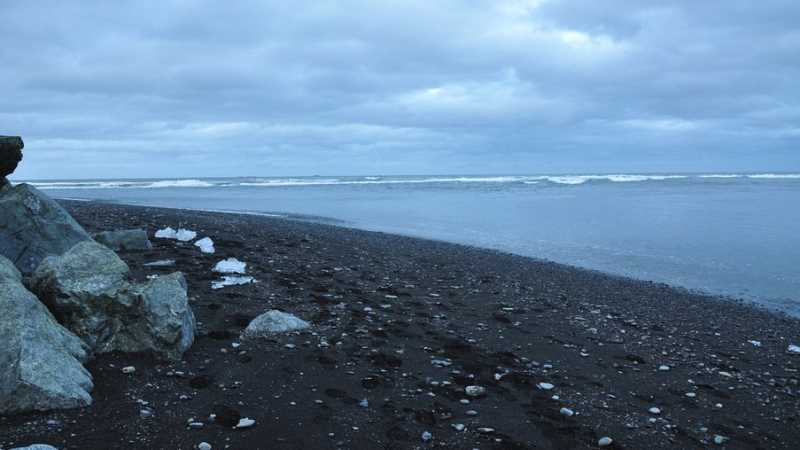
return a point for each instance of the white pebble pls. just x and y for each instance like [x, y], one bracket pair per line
[475, 391]
[545, 386]
[795, 349]
[655, 410]
[128, 369]
[567, 412]
[719, 440]
[245, 423]
[204, 446]
[426, 436]
[663, 368]
[604, 441]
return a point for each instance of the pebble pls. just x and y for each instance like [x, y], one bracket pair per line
[459, 426]
[663, 368]
[795, 349]
[245, 423]
[129, 369]
[426, 436]
[475, 391]
[567, 412]
[545, 386]
[364, 403]
[719, 440]
[655, 410]
[755, 343]
[204, 446]
[604, 441]
[471, 413]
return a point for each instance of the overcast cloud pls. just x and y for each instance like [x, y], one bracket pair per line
[192, 88]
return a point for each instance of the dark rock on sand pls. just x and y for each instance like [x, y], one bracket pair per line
[88, 290]
[40, 361]
[124, 239]
[33, 226]
[10, 155]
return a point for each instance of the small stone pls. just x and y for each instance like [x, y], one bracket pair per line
[719, 440]
[663, 368]
[364, 403]
[204, 446]
[129, 369]
[794, 349]
[654, 410]
[426, 436]
[567, 412]
[471, 413]
[245, 423]
[475, 391]
[459, 426]
[545, 386]
[604, 441]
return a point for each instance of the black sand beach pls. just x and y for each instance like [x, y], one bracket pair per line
[408, 324]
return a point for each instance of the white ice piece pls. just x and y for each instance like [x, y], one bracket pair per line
[206, 245]
[167, 233]
[230, 265]
[245, 423]
[272, 322]
[184, 235]
[229, 280]
[545, 386]
[793, 349]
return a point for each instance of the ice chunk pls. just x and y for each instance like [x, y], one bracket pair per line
[184, 235]
[206, 245]
[161, 263]
[231, 281]
[230, 265]
[793, 349]
[167, 233]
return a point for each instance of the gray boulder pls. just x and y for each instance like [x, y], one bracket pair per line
[124, 240]
[33, 226]
[273, 322]
[40, 361]
[88, 290]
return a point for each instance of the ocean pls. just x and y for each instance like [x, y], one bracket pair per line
[730, 234]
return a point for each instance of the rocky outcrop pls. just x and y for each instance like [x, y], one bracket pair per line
[10, 156]
[87, 288]
[124, 239]
[40, 361]
[33, 226]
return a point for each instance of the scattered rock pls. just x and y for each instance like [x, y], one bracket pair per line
[272, 322]
[245, 423]
[475, 391]
[204, 446]
[426, 436]
[567, 412]
[605, 442]
[231, 280]
[124, 240]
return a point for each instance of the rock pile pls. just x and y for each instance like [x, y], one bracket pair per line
[65, 297]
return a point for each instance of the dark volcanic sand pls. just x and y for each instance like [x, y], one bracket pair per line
[388, 306]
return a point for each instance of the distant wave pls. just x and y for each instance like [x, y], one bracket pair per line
[541, 180]
[778, 176]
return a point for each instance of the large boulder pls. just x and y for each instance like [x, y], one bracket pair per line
[88, 290]
[124, 239]
[10, 156]
[40, 361]
[33, 226]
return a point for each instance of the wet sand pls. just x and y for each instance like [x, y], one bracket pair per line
[407, 324]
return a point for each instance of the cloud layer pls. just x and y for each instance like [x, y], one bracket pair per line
[180, 88]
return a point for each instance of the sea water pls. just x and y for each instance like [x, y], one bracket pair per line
[730, 234]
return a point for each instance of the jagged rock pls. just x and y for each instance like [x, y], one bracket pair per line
[124, 239]
[10, 156]
[33, 226]
[40, 361]
[88, 290]
[272, 322]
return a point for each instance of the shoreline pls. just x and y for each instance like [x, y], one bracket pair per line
[339, 223]
[407, 324]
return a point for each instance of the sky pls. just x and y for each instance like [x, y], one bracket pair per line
[175, 88]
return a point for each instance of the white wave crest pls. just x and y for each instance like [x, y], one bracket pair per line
[776, 176]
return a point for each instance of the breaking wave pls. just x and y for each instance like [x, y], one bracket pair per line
[539, 180]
